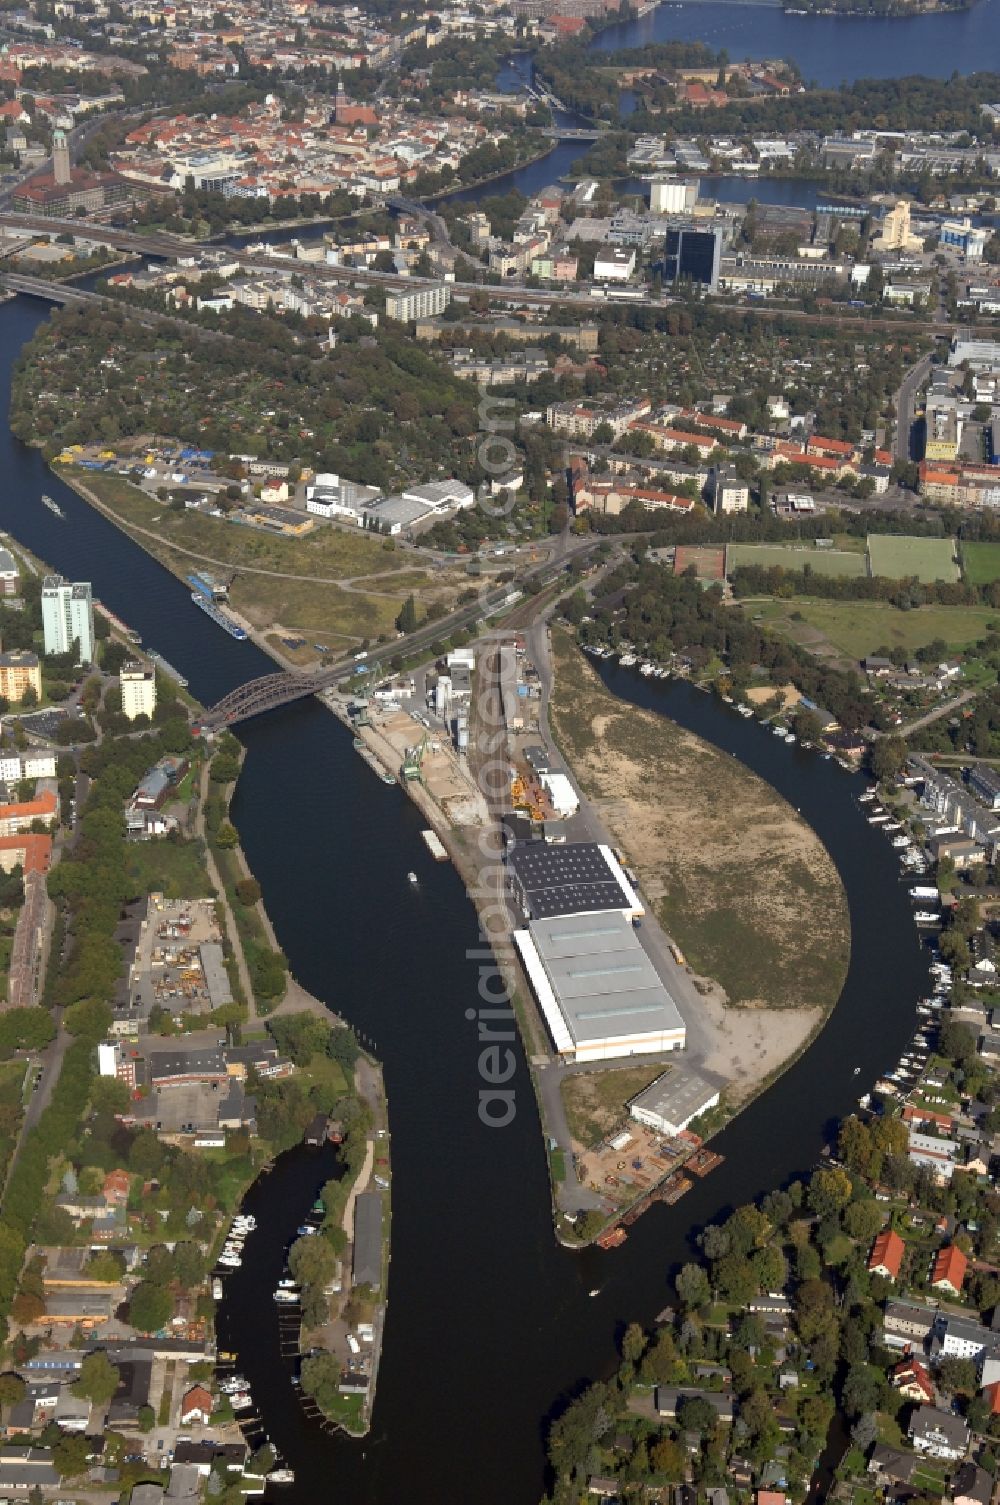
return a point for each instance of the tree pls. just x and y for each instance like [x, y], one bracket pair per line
[150, 1307]
[98, 1378]
[692, 1286]
[864, 1390]
[312, 1261]
[633, 1343]
[863, 1220]
[696, 1414]
[888, 758]
[70, 1455]
[146, 1418]
[829, 1191]
[668, 1458]
[248, 891]
[12, 1389]
[407, 619]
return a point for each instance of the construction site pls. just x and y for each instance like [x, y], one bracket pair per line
[179, 963]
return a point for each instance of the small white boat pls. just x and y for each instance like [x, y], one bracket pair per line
[790, 737]
[412, 877]
[281, 1476]
[595, 1292]
[857, 1071]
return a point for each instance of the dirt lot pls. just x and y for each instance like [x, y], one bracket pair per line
[737, 878]
[595, 1101]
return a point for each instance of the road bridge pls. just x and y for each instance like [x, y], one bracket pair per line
[52, 292]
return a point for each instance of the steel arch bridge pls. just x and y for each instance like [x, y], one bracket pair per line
[268, 693]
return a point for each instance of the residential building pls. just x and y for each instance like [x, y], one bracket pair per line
[971, 1485]
[421, 303]
[906, 1324]
[985, 785]
[728, 491]
[19, 671]
[68, 617]
[887, 1253]
[938, 1434]
[19, 816]
[138, 687]
[938, 1155]
[949, 1269]
[912, 1380]
[963, 1338]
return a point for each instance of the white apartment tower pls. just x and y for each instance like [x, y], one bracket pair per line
[138, 686]
[68, 617]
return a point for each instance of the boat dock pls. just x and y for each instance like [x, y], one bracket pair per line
[435, 846]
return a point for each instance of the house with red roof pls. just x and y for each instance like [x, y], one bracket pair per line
[196, 1405]
[912, 1380]
[887, 1253]
[949, 1269]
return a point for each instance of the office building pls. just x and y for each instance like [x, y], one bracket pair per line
[68, 617]
[19, 672]
[694, 255]
[138, 687]
[422, 303]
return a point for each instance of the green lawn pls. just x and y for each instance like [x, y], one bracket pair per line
[858, 628]
[929, 559]
[794, 557]
[174, 869]
[981, 562]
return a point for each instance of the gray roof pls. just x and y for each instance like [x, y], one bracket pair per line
[216, 976]
[928, 1420]
[164, 1064]
[366, 1267]
[7, 564]
[23, 1468]
[565, 880]
[396, 509]
[604, 982]
[677, 1096]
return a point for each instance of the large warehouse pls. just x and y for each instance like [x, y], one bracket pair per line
[576, 878]
[599, 991]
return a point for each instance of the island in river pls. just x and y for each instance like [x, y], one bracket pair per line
[738, 880]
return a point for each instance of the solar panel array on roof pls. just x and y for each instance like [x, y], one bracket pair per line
[564, 880]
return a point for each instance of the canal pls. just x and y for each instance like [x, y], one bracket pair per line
[490, 1328]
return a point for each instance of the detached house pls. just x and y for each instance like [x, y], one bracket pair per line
[938, 1434]
[887, 1253]
[911, 1379]
[948, 1271]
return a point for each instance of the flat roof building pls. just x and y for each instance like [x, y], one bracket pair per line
[579, 878]
[599, 991]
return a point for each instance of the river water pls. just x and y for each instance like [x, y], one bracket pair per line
[489, 1324]
[829, 50]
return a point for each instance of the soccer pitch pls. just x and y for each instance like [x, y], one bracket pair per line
[767, 556]
[900, 558]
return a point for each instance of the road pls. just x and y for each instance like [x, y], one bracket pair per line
[935, 715]
[905, 402]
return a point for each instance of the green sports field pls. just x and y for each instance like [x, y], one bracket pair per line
[928, 559]
[858, 628]
[981, 562]
[767, 556]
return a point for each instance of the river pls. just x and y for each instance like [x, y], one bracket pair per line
[828, 50]
[489, 1324]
